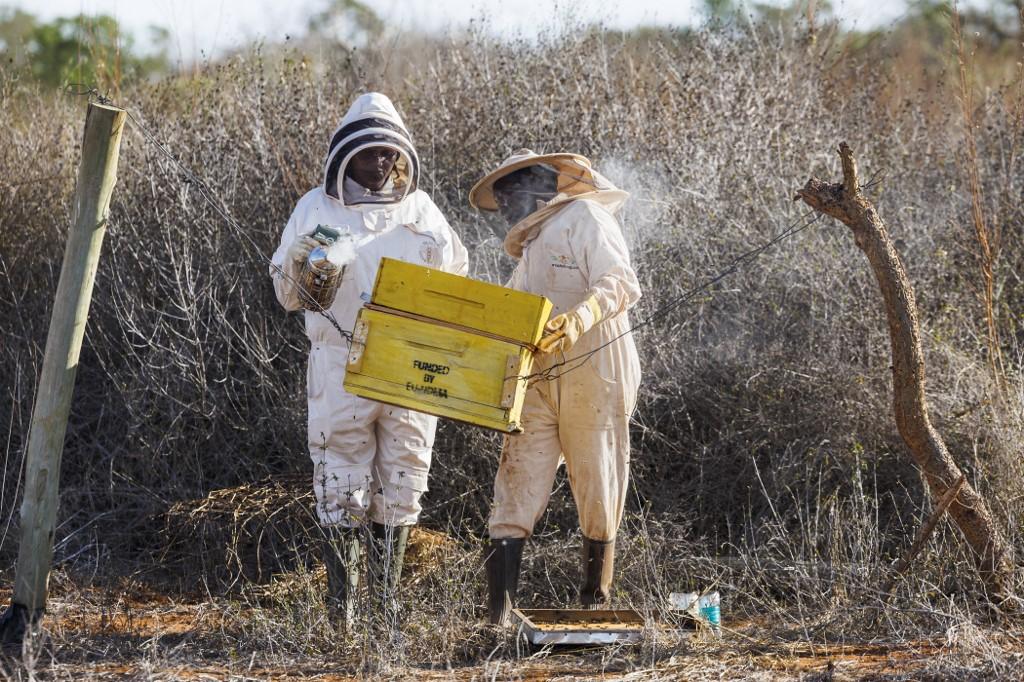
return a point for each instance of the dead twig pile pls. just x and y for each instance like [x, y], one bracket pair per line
[256, 532]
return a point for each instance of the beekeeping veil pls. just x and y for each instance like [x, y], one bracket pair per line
[372, 121]
[576, 180]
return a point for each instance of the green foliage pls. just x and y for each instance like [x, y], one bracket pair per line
[15, 26]
[346, 23]
[773, 12]
[89, 50]
[995, 24]
[720, 9]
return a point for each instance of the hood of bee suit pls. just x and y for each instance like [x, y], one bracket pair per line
[371, 121]
[577, 180]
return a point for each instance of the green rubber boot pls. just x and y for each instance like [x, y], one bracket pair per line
[341, 559]
[386, 556]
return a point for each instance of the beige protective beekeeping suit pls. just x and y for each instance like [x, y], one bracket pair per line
[573, 252]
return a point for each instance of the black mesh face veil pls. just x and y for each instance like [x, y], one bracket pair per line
[538, 177]
[371, 132]
[573, 174]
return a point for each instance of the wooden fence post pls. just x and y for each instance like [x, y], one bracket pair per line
[96, 176]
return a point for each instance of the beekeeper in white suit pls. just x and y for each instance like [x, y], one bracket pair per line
[570, 249]
[370, 460]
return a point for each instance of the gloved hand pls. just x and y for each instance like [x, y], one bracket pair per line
[298, 252]
[563, 331]
[560, 333]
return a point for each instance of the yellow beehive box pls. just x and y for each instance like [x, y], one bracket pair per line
[442, 296]
[428, 356]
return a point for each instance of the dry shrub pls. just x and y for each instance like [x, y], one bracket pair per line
[252, 533]
[243, 534]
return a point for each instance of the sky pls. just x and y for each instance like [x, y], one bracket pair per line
[203, 28]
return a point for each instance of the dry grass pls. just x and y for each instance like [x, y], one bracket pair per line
[125, 632]
[135, 627]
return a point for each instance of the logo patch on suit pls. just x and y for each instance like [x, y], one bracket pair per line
[430, 253]
[561, 261]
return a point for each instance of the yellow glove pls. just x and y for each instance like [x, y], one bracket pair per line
[563, 331]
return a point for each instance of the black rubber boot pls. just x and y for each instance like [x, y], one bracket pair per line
[598, 569]
[15, 623]
[385, 558]
[504, 556]
[341, 559]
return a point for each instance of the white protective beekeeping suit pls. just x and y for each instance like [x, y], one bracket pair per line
[369, 458]
[572, 251]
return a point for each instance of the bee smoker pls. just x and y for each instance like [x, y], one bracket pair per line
[320, 276]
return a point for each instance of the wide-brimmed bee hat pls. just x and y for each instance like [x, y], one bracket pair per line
[575, 175]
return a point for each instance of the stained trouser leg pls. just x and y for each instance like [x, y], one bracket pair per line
[400, 472]
[341, 445]
[504, 557]
[401, 466]
[341, 438]
[526, 473]
[526, 470]
[598, 481]
[594, 428]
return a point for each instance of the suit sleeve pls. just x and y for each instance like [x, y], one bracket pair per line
[458, 258]
[455, 257]
[285, 272]
[613, 283]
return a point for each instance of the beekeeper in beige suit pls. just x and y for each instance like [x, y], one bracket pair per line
[570, 249]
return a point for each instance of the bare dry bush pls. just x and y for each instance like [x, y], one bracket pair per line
[766, 462]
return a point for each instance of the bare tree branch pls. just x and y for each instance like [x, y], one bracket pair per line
[968, 509]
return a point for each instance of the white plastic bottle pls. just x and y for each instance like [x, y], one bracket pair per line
[682, 601]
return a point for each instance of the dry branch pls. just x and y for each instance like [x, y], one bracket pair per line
[968, 509]
[923, 534]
